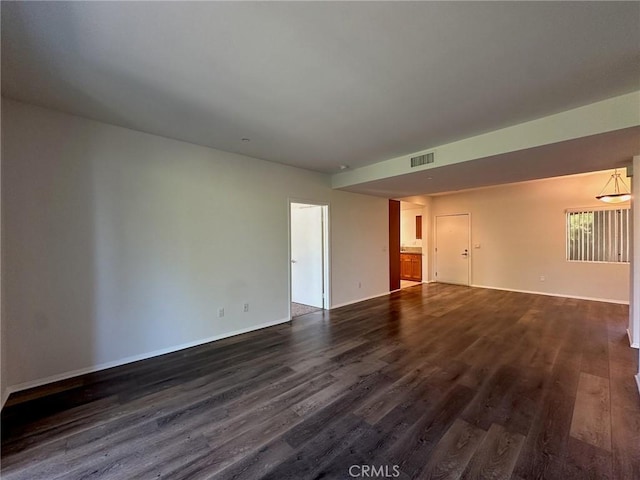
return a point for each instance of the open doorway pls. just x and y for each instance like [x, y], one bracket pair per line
[411, 256]
[406, 257]
[309, 266]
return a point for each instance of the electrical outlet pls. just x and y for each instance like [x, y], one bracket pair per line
[542, 278]
[245, 308]
[220, 312]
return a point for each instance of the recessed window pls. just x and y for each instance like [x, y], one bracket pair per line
[600, 235]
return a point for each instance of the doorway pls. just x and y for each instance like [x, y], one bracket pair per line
[452, 254]
[405, 244]
[411, 256]
[309, 269]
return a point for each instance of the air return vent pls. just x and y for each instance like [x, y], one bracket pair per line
[422, 159]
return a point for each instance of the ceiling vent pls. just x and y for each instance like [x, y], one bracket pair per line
[423, 159]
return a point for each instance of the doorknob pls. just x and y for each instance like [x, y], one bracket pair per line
[294, 261]
[465, 253]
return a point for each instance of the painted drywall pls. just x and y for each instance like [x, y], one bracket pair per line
[520, 229]
[3, 349]
[634, 278]
[605, 116]
[408, 227]
[359, 247]
[427, 249]
[119, 244]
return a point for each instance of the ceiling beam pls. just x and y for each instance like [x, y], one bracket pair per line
[605, 116]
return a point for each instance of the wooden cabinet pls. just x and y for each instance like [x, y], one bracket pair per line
[405, 266]
[416, 267]
[411, 266]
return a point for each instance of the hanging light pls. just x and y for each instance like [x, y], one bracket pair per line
[616, 196]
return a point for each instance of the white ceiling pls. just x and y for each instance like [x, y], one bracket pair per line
[318, 84]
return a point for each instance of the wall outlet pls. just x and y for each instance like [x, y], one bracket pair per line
[220, 312]
[245, 308]
[542, 278]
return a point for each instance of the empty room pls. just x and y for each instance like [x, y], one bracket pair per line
[320, 240]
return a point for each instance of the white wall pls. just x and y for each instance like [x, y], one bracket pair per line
[634, 277]
[521, 232]
[3, 347]
[427, 240]
[408, 227]
[359, 246]
[119, 244]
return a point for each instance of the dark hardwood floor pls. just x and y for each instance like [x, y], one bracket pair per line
[434, 381]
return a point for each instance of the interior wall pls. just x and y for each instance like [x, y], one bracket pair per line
[634, 274]
[119, 245]
[520, 230]
[427, 250]
[359, 247]
[3, 348]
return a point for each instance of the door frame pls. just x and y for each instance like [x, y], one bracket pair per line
[435, 244]
[326, 250]
[394, 214]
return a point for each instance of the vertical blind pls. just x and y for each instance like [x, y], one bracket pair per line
[598, 235]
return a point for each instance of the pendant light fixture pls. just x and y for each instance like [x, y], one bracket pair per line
[616, 196]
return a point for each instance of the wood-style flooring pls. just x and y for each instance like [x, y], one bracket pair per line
[434, 381]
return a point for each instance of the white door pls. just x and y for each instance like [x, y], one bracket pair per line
[452, 249]
[307, 264]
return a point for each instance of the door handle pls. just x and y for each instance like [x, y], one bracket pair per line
[465, 253]
[294, 261]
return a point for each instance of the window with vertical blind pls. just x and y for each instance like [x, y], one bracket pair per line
[598, 235]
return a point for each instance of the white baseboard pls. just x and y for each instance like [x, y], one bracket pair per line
[116, 363]
[577, 297]
[631, 342]
[361, 300]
